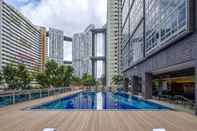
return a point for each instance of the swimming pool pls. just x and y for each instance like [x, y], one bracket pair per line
[101, 101]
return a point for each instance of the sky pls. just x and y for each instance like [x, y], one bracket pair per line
[71, 16]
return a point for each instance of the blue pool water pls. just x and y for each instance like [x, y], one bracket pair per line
[101, 101]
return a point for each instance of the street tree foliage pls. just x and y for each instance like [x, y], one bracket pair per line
[76, 80]
[55, 75]
[10, 76]
[51, 68]
[17, 77]
[42, 79]
[1, 78]
[24, 77]
[88, 80]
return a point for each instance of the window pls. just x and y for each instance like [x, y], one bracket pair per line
[136, 15]
[165, 20]
[125, 10]
[125, 32]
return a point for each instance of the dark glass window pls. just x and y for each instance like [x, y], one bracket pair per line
[125, 10]
[165, 20]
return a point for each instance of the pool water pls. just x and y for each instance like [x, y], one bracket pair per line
[101, 101]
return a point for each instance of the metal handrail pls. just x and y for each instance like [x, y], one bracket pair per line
[185, 99]
[30, 93]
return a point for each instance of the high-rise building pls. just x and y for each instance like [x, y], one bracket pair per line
[56, 44]
[82, 52]
[113, 38]
[159, 46]
[43, 46]
[19, 39]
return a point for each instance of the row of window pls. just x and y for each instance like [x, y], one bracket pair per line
[172, 22]
[132, 32]
[164, 20]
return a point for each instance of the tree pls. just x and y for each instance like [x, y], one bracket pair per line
[88, 80]
[10, 76]
[68, 75]
[1, 78]
[76, 80]
[117, 79]
[63, 75]
[51, 72]
[42, 79]
[56, 75]
[24, 77]
[17, 77]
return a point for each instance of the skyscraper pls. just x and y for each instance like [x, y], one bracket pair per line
[56, 44]
[19, 39]
[82, 51]
[43, 46]
[113, 38]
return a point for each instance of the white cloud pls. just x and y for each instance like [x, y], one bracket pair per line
[69, 15]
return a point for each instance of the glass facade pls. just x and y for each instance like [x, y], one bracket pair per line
[133, 42]
[144, 31]
[165, 19]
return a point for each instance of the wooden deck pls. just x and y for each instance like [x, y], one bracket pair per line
[12, 118]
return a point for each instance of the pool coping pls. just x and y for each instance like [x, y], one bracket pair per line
[29, 108]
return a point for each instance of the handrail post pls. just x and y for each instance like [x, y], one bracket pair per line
[48, 92]
[13, 97]
[40, 93]
[29, 92]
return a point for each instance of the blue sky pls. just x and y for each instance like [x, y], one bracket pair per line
[71, 16]
[20, 3]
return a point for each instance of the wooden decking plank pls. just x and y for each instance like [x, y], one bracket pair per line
[12, 118]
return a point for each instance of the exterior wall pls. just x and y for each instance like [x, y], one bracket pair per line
[44, 46]
[1, 34]
[175, 55]
[177, 52]
[56, 44]
[20, 40]
[196, 85]
[180, 52]
[195, 22]
[113, 38]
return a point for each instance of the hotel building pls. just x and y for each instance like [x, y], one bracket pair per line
[160, 44]
[19, 39]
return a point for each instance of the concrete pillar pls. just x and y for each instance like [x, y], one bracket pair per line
[147, 85]
[196, 88]
[196, 97]
[134, 85]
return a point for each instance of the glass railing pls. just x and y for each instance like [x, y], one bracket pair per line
[13, 97]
